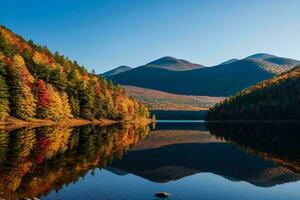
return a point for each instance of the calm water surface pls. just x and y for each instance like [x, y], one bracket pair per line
[180, 121]
[189, 160]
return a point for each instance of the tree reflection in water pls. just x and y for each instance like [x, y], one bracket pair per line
[278, 142]
[35, 161]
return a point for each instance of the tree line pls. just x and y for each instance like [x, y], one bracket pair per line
[274, 99]
[36, 83]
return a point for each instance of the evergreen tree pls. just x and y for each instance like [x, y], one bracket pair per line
[58, 79]
[8, 49]
[4, 101]
[22, 102]
[99, 105]
[75, 106]
[87, 101]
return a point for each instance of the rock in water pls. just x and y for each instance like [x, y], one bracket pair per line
[162, 194]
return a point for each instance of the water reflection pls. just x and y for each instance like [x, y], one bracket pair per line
[179, 152]
[48, 162]
[278, 142]
[35, 161]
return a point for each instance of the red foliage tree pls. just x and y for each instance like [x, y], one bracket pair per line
[98, 88]
[43, 96]
[42, 146]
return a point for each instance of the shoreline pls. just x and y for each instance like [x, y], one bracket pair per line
[14, 123]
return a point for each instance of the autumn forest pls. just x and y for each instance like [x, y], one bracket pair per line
[38, 84]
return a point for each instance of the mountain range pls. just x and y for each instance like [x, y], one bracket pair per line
[179, 76]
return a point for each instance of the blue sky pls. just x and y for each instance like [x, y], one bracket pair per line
[102, 34]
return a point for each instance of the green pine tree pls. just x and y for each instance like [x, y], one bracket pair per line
[4, 101]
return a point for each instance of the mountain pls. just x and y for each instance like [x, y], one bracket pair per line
[35, 83]
[274, 59]
[220, 80]
[117, 70]
[261, 56]
[274, 99]
[229, 61]
[271, 61]
[173, 64]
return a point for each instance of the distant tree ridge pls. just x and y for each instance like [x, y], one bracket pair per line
[274, 99]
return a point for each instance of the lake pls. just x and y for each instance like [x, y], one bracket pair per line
[205, 161]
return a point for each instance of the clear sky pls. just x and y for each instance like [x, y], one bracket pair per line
[102, 34]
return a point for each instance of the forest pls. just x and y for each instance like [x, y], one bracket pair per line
[274, 99]
[36, 83]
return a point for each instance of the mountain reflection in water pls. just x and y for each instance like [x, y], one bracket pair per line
[38, 162]
[174, 154]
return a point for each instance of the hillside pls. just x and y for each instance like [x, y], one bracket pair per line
[220, 80]
[157, 100]
[117, 70]
[274, 63]
[274, 99]
[35, 83]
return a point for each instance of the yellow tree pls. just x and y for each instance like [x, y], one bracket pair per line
[27, 104]
[67, 111]
[55, 110]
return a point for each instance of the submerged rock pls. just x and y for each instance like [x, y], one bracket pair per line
[162, 194]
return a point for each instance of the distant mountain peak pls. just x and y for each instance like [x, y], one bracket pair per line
[117, 70]
[173, 64]
[272, 61]
[261, 56]
[166, 60]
